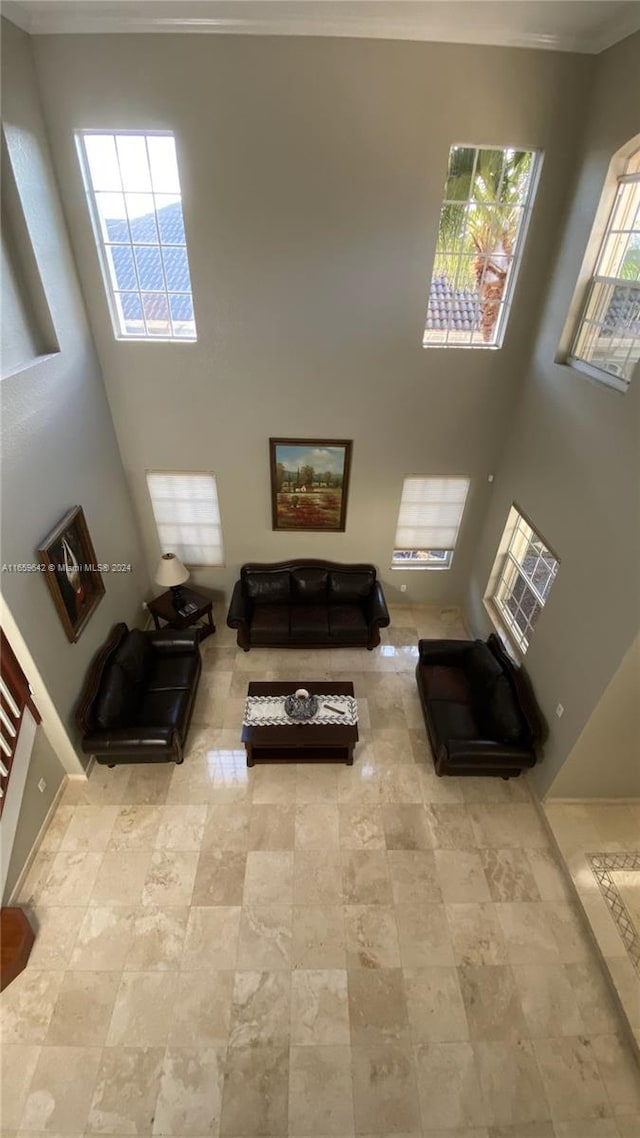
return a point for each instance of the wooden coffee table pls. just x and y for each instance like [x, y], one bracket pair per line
[300, 742]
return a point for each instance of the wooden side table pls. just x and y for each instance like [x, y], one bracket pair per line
[161, 609]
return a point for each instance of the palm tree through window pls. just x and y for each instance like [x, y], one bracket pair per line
[483, 221]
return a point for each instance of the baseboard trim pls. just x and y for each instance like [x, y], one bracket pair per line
[15, 892]
[622, 801]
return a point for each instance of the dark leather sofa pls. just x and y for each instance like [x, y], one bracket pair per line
[479, 709]
[138, 698]
[315, 604]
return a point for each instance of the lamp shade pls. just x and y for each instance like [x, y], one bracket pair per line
[171, 571]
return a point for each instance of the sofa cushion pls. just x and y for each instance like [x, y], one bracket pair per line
[453, 720]
[484, 668]
[309, 586]
[270, 621]
[265, 588]
[347, 623]
[169, 672]
[116, 699]
[502, 713]
[350, 588]
[309, 622]
[442, 682]
[163, 709]
[134, 656]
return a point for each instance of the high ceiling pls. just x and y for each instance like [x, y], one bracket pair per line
[558, 25]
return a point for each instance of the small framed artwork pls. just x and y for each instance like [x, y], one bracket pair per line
[309, 483]
[71, 572]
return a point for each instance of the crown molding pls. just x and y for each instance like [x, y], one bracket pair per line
[438, 24]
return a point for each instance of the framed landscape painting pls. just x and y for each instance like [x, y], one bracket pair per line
[309, 483]
[71, 572]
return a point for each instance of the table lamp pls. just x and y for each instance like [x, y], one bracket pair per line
[172, 573]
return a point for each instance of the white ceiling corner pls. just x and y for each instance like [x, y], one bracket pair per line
[588, 26]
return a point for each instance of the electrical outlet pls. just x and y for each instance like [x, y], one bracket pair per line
[403, 588]
[42, 786]
[559, 711]
[145, 606]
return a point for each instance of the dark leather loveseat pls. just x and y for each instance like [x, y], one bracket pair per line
[479, 709]
[138, 697]
[315, 604]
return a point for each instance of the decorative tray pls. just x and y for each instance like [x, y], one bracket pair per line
[298, 707]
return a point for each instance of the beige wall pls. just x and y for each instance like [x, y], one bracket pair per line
[312, 174]
[572, 464]
[605, 762]
[34, 807]
[58, 444]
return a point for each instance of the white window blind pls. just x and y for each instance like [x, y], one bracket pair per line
[185, 507]
[429, 519]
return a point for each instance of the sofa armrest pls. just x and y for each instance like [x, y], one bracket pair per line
[240, 608]
[170, 641]
[377, 611]
[444, 651]
[128, 739]
[461, 751]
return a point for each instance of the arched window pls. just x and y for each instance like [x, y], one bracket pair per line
[606, 344]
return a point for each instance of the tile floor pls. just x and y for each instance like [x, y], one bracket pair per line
[611, 831]
[311, 950]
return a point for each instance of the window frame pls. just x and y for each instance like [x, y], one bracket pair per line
[612, 194]
[517, 255]
[431, 561]
[170, 547]
[507, 563]
[101, 245]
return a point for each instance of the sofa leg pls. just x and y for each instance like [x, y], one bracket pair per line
[111, 766]
[180, 761]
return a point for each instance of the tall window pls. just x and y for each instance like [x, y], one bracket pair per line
[488, 197]
[526, 571]
[428, 522]
[133, 189]
[187, 515]
[608, 336]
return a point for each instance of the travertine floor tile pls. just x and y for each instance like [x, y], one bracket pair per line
[377, 1007]
[181, 827]
[318, 937]
[509, 875]
[27, 1006]
[371, 937]
[104, 937]
[143, 1010]
[435, 1006]
[256, 1091]
[89, 828]
[82, 1011]
[365, 877]
[18, 1065]
[61, 1089]
[211, 938]
[265, 937]
[571, 1077]
[461, 876]
[424, 936]
[157, 940]
[449, 1085]
[317, 877]
[271, 828]
[319, 1008]
[219, 877]
[511, 1083]
[476, 934]
[317, 826]
[320, 1095]
[126, 1090]
[121, 877]
[56, 929]
[361, 826]
[414, 878]
[406, 827]
[619, 1071]
[260, 1009]
[190, 1092]
[268, 878]
[170, 878]
[385, 1094]
[492, 1003]
[201, 1009]
[548, 1000]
